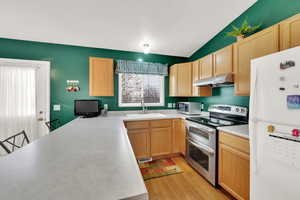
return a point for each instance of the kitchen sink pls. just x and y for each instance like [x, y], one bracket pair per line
[145, 115]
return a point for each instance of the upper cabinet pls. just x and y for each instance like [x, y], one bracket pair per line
[199, 91]
[173, 81]
[206, 67]
[181, 78]
[101, 77]
[257, 45]
[235, 59]
[195, 76]
[184, 78]
[290, 33]
[223, 61]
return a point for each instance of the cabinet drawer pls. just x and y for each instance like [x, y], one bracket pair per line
[236, 142]
[137, 125]
[160, 123]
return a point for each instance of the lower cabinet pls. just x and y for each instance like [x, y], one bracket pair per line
[179, 135]
[156, 137]
[140, 142]
[161, 141]
[234, 165]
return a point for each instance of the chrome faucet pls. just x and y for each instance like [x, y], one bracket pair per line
[144, 108]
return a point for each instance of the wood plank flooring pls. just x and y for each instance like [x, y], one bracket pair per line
[185, 186]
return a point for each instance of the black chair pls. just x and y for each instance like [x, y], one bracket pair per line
[53, 124]
[12, 141]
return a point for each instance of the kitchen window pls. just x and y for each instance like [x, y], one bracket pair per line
[135, 87]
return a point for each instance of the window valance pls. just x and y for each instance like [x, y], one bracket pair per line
[134, 67]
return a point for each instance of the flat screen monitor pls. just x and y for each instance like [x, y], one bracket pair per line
[86, 108]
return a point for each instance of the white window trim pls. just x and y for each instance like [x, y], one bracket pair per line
[162, 95]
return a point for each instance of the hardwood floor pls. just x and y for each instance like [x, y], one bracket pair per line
[185, 186]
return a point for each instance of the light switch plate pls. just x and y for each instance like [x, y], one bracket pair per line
[169, 105]
[56, 107]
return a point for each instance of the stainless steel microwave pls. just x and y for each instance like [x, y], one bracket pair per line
[189, 108]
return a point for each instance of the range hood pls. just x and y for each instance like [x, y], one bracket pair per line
[221, 80]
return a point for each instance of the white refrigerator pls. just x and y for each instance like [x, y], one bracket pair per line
[274, 124]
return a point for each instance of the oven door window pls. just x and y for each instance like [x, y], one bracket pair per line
[199, 156]
[199, 135]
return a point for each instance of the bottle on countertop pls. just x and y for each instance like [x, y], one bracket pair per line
[202, 107]
[105, 110]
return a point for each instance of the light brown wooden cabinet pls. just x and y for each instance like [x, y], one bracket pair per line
[154, 138]
[139, 136]
[290, 32]
[101, 77]
[179, 136]
[140, 142]
[257, 45]
[161, 141]
[195, 76]
[184, 79]
[223, 61]
[181, 78]
[234, 165]
[207, 67]
[173, 81]
[199, 91]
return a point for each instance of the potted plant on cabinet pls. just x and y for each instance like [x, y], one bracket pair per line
[245, 29]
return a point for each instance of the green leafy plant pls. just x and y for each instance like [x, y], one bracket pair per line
[243, 30]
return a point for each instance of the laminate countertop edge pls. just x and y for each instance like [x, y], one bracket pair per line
[238, 130]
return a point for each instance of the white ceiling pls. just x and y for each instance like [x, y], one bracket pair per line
[172, 27]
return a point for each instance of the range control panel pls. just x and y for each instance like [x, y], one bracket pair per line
[229, 109]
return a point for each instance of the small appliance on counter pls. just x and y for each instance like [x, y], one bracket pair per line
[189, 108]
[87, 108]
[202, 137]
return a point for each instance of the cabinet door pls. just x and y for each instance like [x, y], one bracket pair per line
[234, 172]
[199, 91]
[173, 81]
[223, 62]
[195, 76]
[140, 142]
[184, 85]
[101, 77]
[161, 141]
[206, 67]
[260, 44]
[179, 134]
[290, 33]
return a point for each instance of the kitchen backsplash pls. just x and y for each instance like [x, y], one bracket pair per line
[222, 95]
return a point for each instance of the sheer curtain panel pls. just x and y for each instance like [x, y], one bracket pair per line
[17, 101]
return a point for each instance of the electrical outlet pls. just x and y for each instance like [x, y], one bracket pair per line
[56, 107]
[170, 105]
[174, 105]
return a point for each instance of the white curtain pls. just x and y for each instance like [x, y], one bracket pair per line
[17, 101]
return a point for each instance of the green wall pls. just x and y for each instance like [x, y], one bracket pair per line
[267, 12]
[71, 63]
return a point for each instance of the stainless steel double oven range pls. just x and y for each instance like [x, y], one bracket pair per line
[202, 137]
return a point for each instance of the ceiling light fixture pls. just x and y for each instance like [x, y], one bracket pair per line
[146, 48]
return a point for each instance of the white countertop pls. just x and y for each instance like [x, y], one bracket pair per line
[85, 159]
[239, 130]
